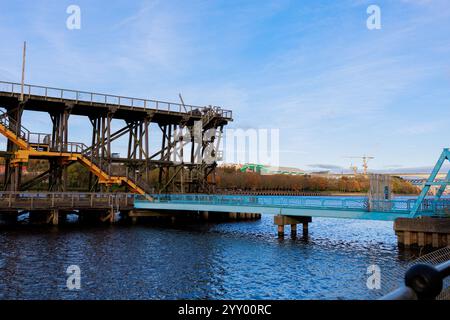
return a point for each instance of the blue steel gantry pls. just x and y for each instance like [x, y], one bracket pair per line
[432, 181]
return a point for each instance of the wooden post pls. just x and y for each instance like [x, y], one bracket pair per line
[55, 217]
[112, 217]
[407, 238]
[435, 241]
[421, 239]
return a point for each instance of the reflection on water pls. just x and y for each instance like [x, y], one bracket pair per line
[238, 260]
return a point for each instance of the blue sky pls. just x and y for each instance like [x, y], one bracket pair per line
[310, 68]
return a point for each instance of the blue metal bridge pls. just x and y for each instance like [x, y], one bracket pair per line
[330, 207]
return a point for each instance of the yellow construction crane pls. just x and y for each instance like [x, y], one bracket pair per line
[365, 160]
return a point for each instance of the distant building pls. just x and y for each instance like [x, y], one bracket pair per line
[325, 172]
[270, 170]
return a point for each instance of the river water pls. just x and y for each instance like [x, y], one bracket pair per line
[233, 260]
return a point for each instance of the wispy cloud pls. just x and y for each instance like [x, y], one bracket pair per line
[326, 166]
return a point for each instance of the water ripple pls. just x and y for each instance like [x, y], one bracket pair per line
[238, 260]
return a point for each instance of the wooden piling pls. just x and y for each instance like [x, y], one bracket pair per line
[54, 217]
[423, 232]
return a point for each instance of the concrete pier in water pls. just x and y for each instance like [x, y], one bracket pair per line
[423, 232]
[281, 221]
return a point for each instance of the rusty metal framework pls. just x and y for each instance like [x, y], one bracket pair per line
[168, 170]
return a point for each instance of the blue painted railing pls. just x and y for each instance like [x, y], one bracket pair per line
[399, 205]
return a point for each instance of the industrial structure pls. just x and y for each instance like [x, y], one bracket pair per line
[365, 164]
[184, 166]
[270, 170]
[187, 173]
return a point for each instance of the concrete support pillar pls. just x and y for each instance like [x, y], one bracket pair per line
[294, 230]
[422, 232]
[305, 229]
[281, 231]
[281, 221]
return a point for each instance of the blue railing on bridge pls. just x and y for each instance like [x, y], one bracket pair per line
[397, 205]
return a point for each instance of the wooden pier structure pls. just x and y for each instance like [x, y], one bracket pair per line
[53, 207]
[423, 232]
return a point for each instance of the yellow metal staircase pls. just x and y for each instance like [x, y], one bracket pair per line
[27, 147]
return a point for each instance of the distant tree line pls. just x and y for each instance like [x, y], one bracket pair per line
[231, 179]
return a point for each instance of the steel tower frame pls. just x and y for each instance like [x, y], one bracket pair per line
[186, 175]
